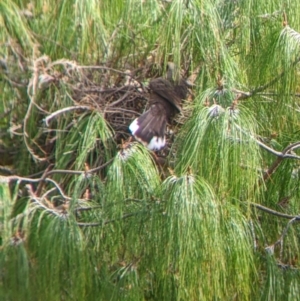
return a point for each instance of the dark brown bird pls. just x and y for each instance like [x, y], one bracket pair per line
[166, 95]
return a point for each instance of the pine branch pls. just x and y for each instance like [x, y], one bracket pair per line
[276, 213]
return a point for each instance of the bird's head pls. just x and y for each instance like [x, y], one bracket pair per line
[173, 73]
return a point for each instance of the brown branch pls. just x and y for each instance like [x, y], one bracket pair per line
[45, 178]
[276, 213]
[272, 169]
[42, 182]
[285, 154]
[245, 95]
[80, 172]
[32, 92]
[120, 99]
[279, 241]
[281, 156]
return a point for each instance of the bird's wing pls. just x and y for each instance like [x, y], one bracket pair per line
[166, 89]
[150, 127]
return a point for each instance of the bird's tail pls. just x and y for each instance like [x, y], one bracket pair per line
[150, 128]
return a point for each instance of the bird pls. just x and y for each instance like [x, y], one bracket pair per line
[166, 95]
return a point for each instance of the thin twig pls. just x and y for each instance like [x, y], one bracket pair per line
[279, 241]
[48, 192]
[77, 172]
[245, 95]
[104, 68]
[120, 99]
[88, 208]
[37, 200]
[64, 110]
[80, 172]
[32, 92]
[285, 154]
[58, 188]
[44, 178]
[42, 182]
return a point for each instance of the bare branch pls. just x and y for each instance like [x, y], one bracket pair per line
[245, 95]
[79, 172]
[45, 175]
[58, 188]
[64, 110]
[31, 92]
[276, 213]
[284, 154]
[281, 156]
[270, 248]
[37, 200]
[44, 178]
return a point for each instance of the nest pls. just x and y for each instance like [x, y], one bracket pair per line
[119, 95]
[120, 101]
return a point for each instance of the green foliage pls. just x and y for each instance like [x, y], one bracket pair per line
[201, 243]
[220, 149]
[85, 215]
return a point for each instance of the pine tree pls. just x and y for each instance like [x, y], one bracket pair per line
[89, 214]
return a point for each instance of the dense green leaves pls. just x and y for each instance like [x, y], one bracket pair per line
[87, 214]
[204, 243]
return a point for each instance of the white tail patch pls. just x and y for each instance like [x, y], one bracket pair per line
[134, 126]
[156, 143]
